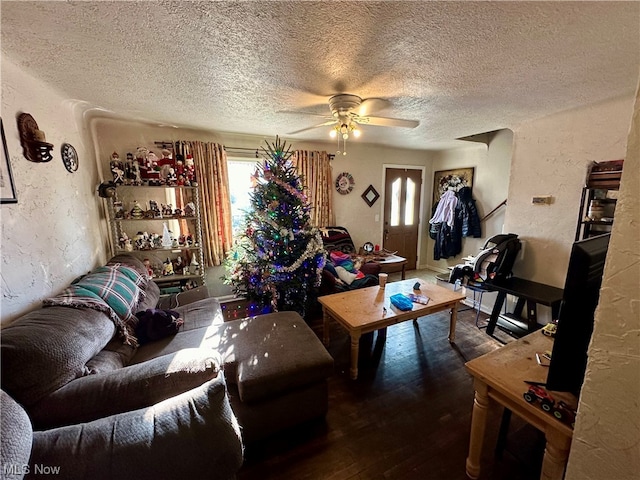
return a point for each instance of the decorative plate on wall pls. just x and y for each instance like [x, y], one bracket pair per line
[69, 157]
[345, 183]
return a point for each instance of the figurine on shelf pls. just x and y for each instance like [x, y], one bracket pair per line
[190, 209]
[153, 207]
[179, 167]
[178, 266]
[194, 268]
[167, 267]
[137, 212]
[167, 210]
[166, 236]
[190, 171]
[117, 169]
[177, 212]
[155, 240]
[172, 179]
[140, 240]
[118, 210]
[124, 239]
[165, 164]
[147, 264]
[132, 171]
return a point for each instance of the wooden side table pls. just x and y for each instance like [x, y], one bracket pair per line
[499, 378]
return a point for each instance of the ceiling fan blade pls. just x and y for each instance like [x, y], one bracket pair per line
[371, 105]
[312, 114]
[331, 122]
[387, 122]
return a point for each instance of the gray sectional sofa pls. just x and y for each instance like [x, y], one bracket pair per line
[76, 397]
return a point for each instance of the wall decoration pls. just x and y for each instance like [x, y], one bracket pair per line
[455, 179]
[34, 145]
[7, 188]
[69, 157]
[370, 195]
[345, 183]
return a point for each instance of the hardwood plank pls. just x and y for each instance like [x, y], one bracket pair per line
[407, 416]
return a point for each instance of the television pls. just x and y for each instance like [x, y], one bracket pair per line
[575, 319]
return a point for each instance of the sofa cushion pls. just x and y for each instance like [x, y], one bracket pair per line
[106, 290]
[264, 355]
[193, 436]
[151, 297]
[16, 434]
[47, 348]
[124, 389]
[113, 356]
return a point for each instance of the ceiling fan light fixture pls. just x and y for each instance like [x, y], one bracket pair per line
[333, 133]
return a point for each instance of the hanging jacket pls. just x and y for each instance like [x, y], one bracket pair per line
[445, 209]
[467, 214]
[447, 242]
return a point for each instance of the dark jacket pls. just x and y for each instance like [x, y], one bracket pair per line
[467, 214]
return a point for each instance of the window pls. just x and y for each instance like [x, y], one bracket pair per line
[240, 187]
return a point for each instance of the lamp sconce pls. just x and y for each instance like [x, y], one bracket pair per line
[33, 141]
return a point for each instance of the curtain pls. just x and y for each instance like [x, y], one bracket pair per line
[315, 169]
[210, 161]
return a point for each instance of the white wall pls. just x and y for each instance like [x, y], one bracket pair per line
[52, 234]
[605, 442]
[491, 163]
[550, 157]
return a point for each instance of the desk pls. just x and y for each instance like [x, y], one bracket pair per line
[527, 291]
[499, 378]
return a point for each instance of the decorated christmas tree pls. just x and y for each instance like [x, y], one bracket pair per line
[279, 256]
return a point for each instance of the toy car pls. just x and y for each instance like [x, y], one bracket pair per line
[564, 413]
[536, 392]
[549, 329]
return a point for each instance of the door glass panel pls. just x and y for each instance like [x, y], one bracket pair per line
[395, 202]
[409, 202]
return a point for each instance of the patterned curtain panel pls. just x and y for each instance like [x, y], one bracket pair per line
[315, 169]
[213, 181]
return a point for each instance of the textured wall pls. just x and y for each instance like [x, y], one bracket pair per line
[606, 440]
[550, 157]
[53, 233]
[491, 183]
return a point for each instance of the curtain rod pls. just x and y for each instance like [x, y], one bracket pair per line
[252, 152]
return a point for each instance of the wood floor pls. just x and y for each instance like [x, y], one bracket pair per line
[406, 417]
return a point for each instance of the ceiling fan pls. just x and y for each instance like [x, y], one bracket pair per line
[349, 111]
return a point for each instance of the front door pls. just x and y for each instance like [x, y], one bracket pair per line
[402, 212]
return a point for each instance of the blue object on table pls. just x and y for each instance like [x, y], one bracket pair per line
[401, 301]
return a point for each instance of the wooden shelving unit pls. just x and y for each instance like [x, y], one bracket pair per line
[599, 197]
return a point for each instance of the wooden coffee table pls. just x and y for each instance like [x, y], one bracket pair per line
[368, 309]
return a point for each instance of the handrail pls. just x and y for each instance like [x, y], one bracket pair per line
[504, 202]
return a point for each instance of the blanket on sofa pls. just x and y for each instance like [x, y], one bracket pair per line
[113, 290]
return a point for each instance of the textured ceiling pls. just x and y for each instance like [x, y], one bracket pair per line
[460, 68]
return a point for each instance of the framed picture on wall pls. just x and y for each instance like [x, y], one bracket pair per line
[7, 188]
[455, 179]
